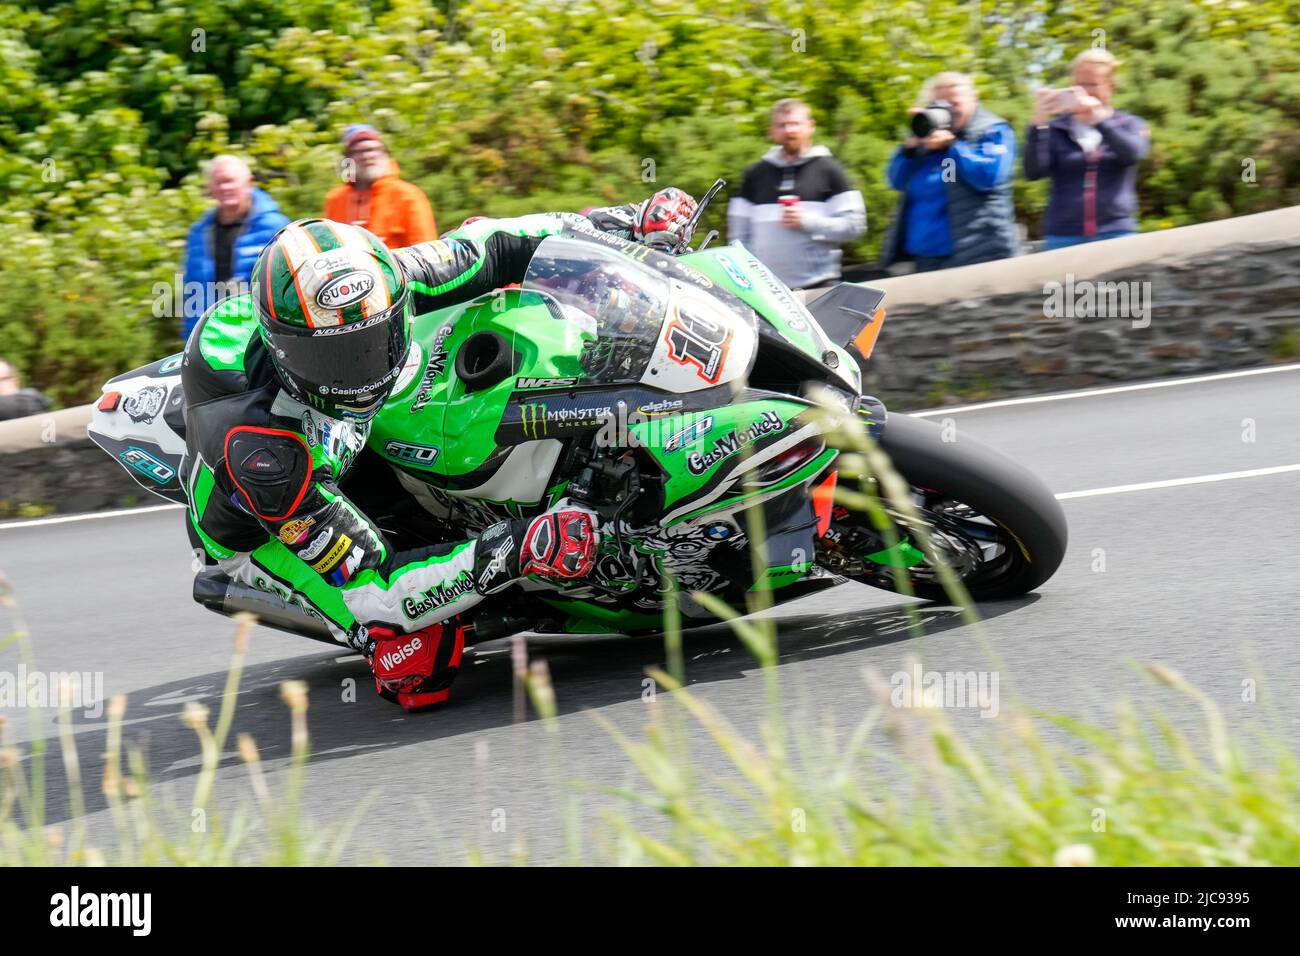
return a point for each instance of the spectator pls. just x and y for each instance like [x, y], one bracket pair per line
[225, 242]
[1091, 152]
[396, 211]
[956, 207]
[796, 206]
[16, 401]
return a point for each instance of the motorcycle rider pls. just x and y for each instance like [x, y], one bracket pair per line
[281, 385]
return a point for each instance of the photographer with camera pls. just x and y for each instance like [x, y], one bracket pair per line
[954, 174]
[1091, 152]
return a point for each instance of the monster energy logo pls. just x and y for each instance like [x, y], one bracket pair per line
[536, 418]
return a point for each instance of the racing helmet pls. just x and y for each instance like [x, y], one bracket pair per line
[335, 311]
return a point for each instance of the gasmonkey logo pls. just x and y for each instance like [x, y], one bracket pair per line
[437, 596]
[433, 371]
[726, 446]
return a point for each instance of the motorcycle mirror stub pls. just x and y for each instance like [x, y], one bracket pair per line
[851, 315]
[865, 341]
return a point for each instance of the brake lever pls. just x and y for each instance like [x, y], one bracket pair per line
[688, 233]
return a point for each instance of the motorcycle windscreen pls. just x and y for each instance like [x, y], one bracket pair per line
[619, 303]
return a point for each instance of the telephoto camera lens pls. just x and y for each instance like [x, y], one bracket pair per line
[938, 115]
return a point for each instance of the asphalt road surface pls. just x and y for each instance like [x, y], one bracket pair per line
[1200, 576]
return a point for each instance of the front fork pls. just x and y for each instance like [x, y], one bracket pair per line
[841, 542]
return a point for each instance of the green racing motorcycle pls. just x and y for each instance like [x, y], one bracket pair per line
[682, 396]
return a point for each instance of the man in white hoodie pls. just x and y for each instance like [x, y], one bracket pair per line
[795, 207]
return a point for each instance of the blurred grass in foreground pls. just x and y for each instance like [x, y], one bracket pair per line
[1029, 802]
[1137, 795]
[272, 832]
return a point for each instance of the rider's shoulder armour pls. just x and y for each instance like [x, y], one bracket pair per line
[270, 467]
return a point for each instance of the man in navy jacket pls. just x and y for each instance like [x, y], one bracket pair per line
[1091, 152]
[225, 242]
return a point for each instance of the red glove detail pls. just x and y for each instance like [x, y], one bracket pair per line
[561, 544]
[662, 218]
[417, 669]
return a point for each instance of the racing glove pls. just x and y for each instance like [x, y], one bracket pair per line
[559, 546]
[661, 220]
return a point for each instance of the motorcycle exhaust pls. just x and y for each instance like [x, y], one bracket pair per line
[215, 591]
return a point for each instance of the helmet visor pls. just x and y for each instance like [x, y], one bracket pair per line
[345, 370]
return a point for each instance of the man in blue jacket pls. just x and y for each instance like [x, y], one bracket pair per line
[956, 206]
[225, 242]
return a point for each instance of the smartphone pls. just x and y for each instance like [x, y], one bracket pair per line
[1064, 101]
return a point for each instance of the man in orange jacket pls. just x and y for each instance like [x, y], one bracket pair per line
[396, 211]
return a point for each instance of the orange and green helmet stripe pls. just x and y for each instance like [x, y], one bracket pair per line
[316, 273]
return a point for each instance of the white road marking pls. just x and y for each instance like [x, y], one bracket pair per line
[60, 519]
[1094, 392]
[1175, 482]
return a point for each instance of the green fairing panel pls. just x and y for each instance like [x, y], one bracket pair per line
[776, 578]
[904, 554]
[431, 409]
[810, 470]
[693, 446]
[735, 268]
[603, 619]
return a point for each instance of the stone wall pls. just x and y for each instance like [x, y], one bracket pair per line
[65, 477]
[49, 466]
[1220, 295]
[1217, 296]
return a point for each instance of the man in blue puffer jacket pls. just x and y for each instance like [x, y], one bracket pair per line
[225, 242]
[955, 205]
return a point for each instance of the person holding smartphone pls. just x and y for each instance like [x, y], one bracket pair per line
[1090, 151]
